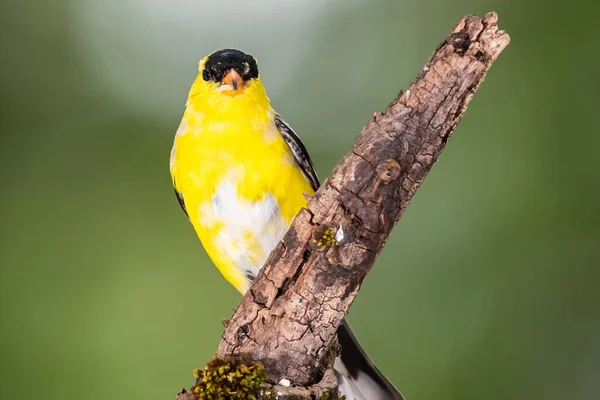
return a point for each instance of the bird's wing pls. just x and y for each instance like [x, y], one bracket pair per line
[180, 199]
[300, 154]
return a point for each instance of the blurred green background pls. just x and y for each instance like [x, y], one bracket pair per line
[488, 289]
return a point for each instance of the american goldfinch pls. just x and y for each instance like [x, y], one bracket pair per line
[241, 174]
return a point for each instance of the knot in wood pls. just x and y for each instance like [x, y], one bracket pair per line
[242, 333]
[388, 170]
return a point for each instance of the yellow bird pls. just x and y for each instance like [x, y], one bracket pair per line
[241, 174]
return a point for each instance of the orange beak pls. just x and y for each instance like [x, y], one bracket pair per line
[232, 83]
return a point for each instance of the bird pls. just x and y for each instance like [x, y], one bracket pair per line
[241, 174]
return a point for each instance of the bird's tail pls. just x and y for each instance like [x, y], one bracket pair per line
[358, 378]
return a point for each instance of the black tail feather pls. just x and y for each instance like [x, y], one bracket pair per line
[356, 362]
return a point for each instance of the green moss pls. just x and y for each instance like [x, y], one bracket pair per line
[327, 238]
[221, 380]
[332, 396]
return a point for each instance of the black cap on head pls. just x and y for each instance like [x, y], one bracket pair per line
[220, 62]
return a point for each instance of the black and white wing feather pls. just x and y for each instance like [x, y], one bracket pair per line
[299, 151]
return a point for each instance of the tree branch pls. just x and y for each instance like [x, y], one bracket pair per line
[288, 319]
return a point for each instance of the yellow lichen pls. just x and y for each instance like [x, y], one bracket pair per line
[327, 238]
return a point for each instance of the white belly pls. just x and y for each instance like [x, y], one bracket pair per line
[247, 230]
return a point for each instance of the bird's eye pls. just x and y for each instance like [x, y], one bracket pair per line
[205, 75]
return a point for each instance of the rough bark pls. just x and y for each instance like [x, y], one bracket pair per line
[289, 317]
